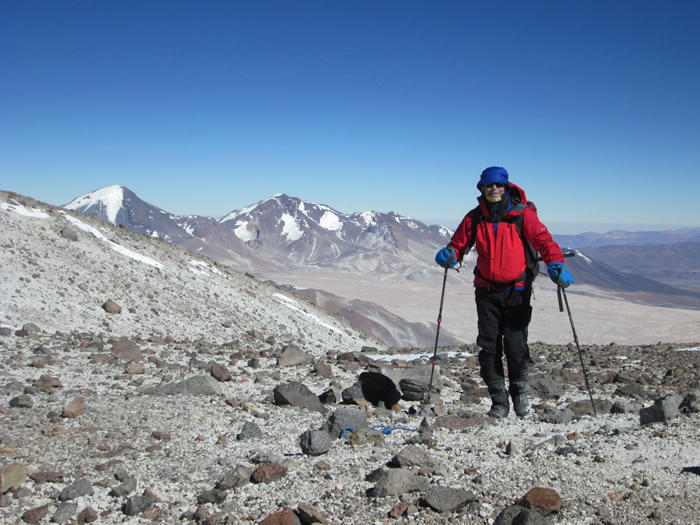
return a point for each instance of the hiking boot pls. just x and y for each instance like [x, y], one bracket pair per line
[518, 393]
[500, 406]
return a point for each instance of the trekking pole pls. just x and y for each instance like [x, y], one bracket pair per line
[437, 332]
[561, 291]
[433, 359]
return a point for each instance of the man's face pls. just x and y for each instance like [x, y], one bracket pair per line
[494, 191]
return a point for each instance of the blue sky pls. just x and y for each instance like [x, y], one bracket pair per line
[203, 107]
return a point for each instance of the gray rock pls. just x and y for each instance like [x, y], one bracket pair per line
[414, 390]
[419, 374]
[111, 307]
[515, 515]
[216, 496]
[69, 234]
[23, 401]
[315, 442]
[31, 328]
[664, 409]
[195, 385]
[331, 396]
[298, 395]
[249, 431]
[135, 505]
[220, 372]
[82, 487]
[584, 407]
[690, 403]
[395, 482]
[65, 512]
[555, 416]
[236, 477]
[124, 489]
[446, 499]
[128, 351]
[343, 418]
[545, 387]
[414, 456]
[292, 355]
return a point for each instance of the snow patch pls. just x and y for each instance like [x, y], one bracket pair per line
[294, 305]
[388, 358]
[21, 210]
[330, 221]
[241, 231]
[291, 227]
[369, 218]
[110, 199]
[694, 349]
[116, 247]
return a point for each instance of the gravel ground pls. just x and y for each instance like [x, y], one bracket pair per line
[189, 312]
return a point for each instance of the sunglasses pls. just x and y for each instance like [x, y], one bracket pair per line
[497, 184]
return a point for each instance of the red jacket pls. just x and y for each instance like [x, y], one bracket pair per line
[499, 247]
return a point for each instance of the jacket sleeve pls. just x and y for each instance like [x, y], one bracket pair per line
[463, 235]
[539, 236]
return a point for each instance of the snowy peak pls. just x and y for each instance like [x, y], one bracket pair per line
[105, 203]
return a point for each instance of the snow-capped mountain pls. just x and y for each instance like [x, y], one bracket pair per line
[119, 205]
[279, 232]
[303, 233]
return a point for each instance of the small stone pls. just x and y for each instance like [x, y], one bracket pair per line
[111, 307]
[36, 514]
[249, 431]
[162, 436]
[236, 477]
[315, 442]
[216, 496]
[268, 472]
[87, 515]
[308, 514]
[75, 408]
[446, 499]
[65, 512]
[283, 517]
[542, 500]
[220, 372]
[23, 401]
[12, 476]
[134, 369]
[135, 505]
[48, 384]
[82, 487]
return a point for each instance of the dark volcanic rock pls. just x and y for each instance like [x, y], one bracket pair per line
[546, 387]
[375, 388]
[315, 442]
[298, 395]
[663, 409]
[135, 505]
[516, 515]
[249, 431]
[82, 487]
[344, 418]
[236, 477]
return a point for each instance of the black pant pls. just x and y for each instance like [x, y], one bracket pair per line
[503, 321]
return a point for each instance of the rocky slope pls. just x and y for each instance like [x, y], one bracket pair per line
[206, 404]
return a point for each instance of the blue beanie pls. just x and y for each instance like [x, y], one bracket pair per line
[491, 175]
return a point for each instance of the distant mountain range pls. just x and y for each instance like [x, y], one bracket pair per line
[282, 234]
[621, 237]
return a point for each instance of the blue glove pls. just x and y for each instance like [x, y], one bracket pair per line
[560, 275]
[446, 257]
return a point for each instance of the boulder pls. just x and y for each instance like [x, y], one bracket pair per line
[315, 442]
[664, 409]
[395, 482]
[344, 418]
[374, 387]
[446, 499]
[298, 395]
